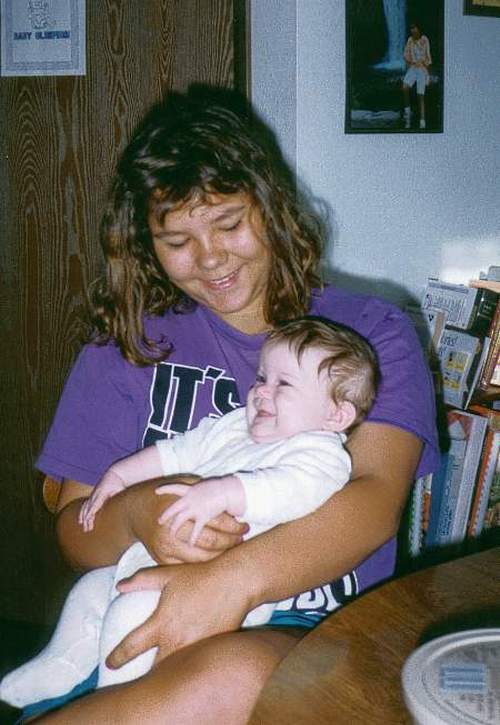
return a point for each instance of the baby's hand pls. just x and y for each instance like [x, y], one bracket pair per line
[199, 503]
[109, 485]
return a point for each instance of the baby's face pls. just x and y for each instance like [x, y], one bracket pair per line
[288, 397]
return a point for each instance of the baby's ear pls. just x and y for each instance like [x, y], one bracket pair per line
[340, 417]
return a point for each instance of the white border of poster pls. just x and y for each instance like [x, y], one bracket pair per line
[43, 38]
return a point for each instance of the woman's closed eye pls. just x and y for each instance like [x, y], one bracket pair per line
[230, 227]
[175, 242]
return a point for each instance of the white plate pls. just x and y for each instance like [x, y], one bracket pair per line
[455, 680]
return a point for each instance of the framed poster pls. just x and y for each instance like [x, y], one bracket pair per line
[394, 66]
[42, 37]
[482, 7]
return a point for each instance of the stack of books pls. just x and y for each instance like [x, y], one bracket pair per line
[459, 327]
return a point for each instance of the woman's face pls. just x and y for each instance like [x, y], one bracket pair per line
[215, 252]
[415, 32]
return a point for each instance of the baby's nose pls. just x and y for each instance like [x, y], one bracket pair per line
[263, 390]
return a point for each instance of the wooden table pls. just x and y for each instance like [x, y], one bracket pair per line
[348, 669]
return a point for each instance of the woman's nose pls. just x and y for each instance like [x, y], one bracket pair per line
[211, 254]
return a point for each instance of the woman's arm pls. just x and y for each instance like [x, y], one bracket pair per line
[132, 516]
[209, 598]
[349, 526]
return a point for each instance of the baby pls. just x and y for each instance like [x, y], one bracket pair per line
[275, 460]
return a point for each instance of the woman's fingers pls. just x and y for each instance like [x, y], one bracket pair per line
[177, 489]
[228, 524]
[135, 643]
[197, 601]
[170, 512]
[146, 579]
[213, 540]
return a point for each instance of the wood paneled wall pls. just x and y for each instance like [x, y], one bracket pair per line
[60, 139]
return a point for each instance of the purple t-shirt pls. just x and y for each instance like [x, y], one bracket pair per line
[110, 408]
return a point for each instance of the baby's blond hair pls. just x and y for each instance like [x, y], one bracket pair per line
[350, 360]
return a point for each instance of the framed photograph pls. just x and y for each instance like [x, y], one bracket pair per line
[489, 8]
[394, 66]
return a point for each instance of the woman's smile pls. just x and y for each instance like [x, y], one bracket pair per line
[223, 283]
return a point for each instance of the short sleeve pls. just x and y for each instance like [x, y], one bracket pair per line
[406, 394]
[96, 422]
[406, 397]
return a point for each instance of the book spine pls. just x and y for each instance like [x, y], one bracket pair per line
[492, 514]
[468, 478]
[445, 484]
[487, 469]
[493, 352]
[426, 502]
[451, 494]
[416, 510]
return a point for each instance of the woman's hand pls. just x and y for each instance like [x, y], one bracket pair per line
[197, 601]
[144, 508]
[130, 516]
[201, 503]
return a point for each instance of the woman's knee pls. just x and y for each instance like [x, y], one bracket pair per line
[219, 679]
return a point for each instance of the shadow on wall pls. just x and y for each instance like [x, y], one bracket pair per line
[387, 288]
[391, 291]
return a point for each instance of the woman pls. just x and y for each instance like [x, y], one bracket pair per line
[207, 250]
[417, 54]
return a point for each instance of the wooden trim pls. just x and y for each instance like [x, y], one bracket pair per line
[241, 40]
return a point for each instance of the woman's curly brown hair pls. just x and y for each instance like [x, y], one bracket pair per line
[187, 148]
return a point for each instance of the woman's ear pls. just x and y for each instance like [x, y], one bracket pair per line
[340, 417]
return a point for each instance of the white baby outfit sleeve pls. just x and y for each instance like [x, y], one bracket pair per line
[312, 466]
[210, 449]
[182, 453]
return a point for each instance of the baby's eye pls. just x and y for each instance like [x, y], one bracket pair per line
[259, 378]
[285, 383]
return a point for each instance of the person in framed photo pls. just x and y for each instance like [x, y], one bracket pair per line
[417, 54]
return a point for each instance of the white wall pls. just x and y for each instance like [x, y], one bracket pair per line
[403, 206]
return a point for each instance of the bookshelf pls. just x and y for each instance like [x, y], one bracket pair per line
[456, 510]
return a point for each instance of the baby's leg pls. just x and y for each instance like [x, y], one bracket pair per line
[125, 613]
[72, 652]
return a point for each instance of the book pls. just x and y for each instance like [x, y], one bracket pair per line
[453, 483]
[466, 308]
[492, 358]
[460, 356]
[429, 325]
[442, 481]
[495, 375]
[426, 503]
[473, 383]
[492, 514]
[489, 464]
[415, 531]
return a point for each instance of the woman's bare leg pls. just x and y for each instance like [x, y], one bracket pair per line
[215, 682]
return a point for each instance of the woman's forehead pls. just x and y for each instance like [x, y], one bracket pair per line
[204, 205]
